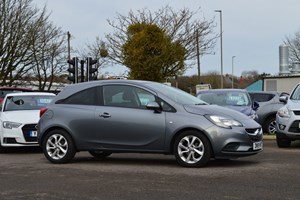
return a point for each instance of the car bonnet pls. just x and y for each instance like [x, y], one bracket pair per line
[215, 110]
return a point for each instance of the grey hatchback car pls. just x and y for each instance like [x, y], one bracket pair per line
[113, 116]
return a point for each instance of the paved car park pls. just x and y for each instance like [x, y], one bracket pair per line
[273, 174]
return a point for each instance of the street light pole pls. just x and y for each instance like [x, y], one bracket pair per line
[232, 77]
[221, 44]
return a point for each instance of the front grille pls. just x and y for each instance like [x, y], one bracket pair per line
[26, 132]
[294, 128]
[255, 134]
[296, 112]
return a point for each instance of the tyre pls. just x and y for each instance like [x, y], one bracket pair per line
[58, 147]
[100, 154]
[192, 149]
[270, 126]
[283, 143]
[2, 149]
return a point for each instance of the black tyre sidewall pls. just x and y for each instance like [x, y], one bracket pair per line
[282, 143]
[100, 154]
[267, 124]
[207, 149]
[71, 148]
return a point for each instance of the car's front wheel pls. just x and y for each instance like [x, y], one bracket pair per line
[2, 149]
[100, 154]
[192, 149]
[283, 143]
[58, 147]
[270, 126]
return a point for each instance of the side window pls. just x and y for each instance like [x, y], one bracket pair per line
[121, 96]
[84, 97]
[263, 97]
[144, 97]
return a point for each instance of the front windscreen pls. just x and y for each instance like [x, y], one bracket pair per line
[226, 98]
[296, 93]
[176, 95]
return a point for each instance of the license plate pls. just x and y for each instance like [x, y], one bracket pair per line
[257, 145]
[33, 133]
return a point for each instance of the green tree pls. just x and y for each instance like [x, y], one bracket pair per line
[150, 54]
[179, 25]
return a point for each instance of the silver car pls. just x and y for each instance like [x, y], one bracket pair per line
[288, 119]
[112, 116]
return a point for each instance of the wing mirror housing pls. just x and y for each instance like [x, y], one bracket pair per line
[283, 99]
[154, 106]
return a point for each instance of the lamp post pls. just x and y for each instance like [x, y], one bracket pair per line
[232, 77]
[221, 44]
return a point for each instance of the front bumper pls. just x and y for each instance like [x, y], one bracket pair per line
[288, 128]
[25, 135]
[237, 142]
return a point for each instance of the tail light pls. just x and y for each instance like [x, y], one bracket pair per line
[42, 111]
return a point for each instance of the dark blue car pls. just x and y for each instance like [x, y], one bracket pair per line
[236, 99]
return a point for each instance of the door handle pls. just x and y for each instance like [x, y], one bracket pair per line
[105, 115]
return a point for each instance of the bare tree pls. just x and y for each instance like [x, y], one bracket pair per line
[293, 42]
[48, 54]
[97, 50]
[180, 26]
[17, 29]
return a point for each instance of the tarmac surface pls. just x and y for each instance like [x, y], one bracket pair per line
[273, 174]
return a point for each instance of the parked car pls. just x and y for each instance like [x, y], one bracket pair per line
[236, 99]
[288, 119]
[111, 116]
[269, 104]
[19, 117]
[6, 90]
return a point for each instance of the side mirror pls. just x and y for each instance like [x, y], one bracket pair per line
[283, 99]
[153, 106]
[255, 105]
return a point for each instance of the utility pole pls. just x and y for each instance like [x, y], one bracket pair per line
[198, 55]
[69, 46]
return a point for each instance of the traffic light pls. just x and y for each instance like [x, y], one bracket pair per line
[73, 70]
[90, 70]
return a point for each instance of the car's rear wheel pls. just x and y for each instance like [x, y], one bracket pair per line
[58, 147]
[100, 154]
[192, 149]
[283, 143]
[270, 126]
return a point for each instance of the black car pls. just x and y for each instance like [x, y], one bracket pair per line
[268, 106]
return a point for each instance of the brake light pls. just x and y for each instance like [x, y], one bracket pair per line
[42, 111]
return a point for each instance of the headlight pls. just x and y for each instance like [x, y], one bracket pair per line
[10, 125]
[223, 121]
[284, 112]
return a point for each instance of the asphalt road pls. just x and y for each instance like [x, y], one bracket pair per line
[273, 174]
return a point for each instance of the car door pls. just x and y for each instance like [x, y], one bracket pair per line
[124, 122]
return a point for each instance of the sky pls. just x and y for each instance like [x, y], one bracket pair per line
[253, 30]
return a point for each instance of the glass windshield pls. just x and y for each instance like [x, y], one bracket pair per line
[226, 98]
[296, 94]
[176, 95]
[27, 102]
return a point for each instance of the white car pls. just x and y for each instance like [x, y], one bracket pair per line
[19, 115]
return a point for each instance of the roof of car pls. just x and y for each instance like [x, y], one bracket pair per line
[15, 88]
[31, 94]
[222, 90]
